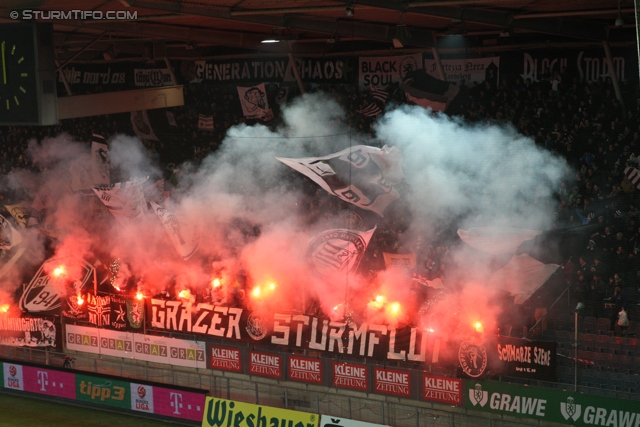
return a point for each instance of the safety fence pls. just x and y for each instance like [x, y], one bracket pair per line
[384, 410]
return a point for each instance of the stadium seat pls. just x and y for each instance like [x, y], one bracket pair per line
[601, 344]
[603, 326]
[588, 325]
[588, 381]
[629, 368]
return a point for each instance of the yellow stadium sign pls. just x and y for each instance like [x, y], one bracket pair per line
[229, 413]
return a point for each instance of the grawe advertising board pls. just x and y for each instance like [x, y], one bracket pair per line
[550, 405]
[222, 412]
[171, 351]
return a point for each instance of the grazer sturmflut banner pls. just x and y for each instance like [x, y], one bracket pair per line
[381, 342]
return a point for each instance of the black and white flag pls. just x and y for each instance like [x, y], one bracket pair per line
[9, 236]
[100, 165]
[142, 125]
[125, 200]
[363, 175]
[379, 94]
[339, 250]
[171, 119]
[633, 174]
[183, 235]
[372, 110]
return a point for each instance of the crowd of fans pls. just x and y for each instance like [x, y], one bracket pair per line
[582, 121]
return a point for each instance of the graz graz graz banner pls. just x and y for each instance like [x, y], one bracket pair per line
[381, 342]
[550, 405]
[311, 70]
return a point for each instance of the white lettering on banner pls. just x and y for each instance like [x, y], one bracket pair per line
[442, 384]
[392, 382]
[518, 404]
[589, 69]
[380, 71]
[74, 76]
[308, 69]
[173, 315]
[457, 70]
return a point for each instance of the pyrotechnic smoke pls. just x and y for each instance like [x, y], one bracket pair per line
[248, 207]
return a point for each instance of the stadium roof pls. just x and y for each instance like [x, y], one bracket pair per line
[189, 29]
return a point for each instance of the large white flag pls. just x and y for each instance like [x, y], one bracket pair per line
[254, 102]
[496, 240]
[339, 250]
[362, 175]
[142, 126]
[125, 200]
[9, 236]
[183, 235]
[80, 170]
[522, 276]
[21, 213]
[100, 165]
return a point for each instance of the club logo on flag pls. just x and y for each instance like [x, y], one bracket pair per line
[9, 236]
[135, 313]
[472, 358]
[477, 396]
[570, 409]
[256, 326]
[338, 250]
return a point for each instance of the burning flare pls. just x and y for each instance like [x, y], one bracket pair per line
[4, 308]
[80, 299]
[59, 271]
[139, 296]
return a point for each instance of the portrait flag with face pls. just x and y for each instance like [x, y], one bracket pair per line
[254, 102]
[363, 175]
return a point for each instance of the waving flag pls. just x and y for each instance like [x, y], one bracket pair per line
[100, 165]
[255, 104]
[633, 174]
[9, 236]
[339, 250]
[362, 175]
[371, 110]
[379, 94]
[429, 92]
[182, 235]
[125, 200]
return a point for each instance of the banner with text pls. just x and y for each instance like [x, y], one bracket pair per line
[222, 412]
[527, 359]
[380, 342]
[157, 349]
[549, 405]
[311, 70]
[470, 70]
[383, 70]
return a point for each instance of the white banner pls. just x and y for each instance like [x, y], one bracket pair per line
[142, 126]
[142, 398]
[151, 348]
[125, 200]
[362, 175]
[153, 77]
[469, 70]
[382, 70]
[205, 122]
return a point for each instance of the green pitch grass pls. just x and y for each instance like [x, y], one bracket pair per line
[22, 411]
